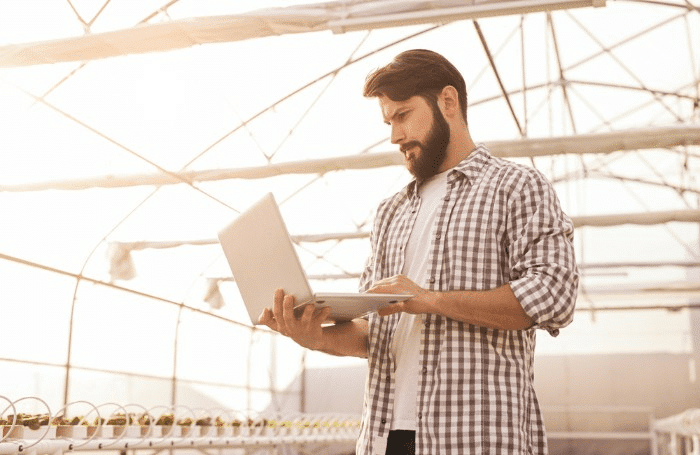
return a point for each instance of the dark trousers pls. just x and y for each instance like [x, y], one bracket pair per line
[401, 442]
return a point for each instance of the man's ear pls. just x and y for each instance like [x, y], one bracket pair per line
[449, 101]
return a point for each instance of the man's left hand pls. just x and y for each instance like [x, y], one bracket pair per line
[423, 301]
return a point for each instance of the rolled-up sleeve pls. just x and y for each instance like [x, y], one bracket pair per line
[366, 276]
[544, 275]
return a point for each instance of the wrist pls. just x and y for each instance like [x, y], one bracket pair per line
[320, 343]
[434, 301]
[315, 343]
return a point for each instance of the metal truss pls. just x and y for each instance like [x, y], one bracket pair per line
[590, 152]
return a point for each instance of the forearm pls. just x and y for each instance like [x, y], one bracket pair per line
[496, 308]
[346, 339]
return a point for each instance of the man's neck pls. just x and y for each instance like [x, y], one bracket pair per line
[460, 147]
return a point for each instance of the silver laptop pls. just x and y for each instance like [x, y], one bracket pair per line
[263, 258]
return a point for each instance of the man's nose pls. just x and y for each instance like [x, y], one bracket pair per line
[397, 135]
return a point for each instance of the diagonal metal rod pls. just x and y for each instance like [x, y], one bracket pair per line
[498, 77]
[608, 50]
[591, 107]
[318, 97]
[59, 83]
[83, 64]
[77, 14]
[691, 6]
[496, 53]
[562, 79]
[179, 177]
[623, 41]
[661, 176]
[634, 76]
[680, 96]
[609, 175]
[682, 242]
[632, 110]
[564, 89]
[92, 21]
[322, 257]
[302, 88]
[693, 64]
[158, 11]
[545, 85]
[80, 276]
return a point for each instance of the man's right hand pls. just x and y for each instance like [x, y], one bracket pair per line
[306, 330]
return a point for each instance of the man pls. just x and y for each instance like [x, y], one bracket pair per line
[485, 249]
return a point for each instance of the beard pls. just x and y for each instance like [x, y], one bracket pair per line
[432, 151]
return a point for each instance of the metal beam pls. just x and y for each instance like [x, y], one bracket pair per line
[338, 18]
[444, 15]
[648, 218]
[642, 139]
[497, 75]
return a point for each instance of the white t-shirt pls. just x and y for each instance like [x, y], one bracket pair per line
[405, 346]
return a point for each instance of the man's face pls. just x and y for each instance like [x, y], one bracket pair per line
[421, 131]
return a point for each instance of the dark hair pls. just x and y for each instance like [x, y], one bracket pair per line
[416, 72]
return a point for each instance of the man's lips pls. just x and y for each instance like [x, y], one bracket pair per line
[405, 148]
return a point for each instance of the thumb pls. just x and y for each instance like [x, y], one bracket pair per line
[391, 309]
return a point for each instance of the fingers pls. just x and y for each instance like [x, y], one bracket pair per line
[278, 311]
[307, 315]
[381, 286]
[305, 328]
[267, 318]
[288, 318]
[391, 309]
[397, 284]
[283, 318]
[321, 316]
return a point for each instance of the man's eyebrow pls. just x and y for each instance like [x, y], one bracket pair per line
[387, 119]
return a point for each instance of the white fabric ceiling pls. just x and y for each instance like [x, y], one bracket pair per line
[140, 128]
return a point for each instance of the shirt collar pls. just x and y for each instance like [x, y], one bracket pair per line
[470, 167]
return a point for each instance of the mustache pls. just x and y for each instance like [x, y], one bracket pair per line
[408, 146]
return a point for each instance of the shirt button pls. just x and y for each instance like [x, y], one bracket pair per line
[420, 416]
[383, 421]
[425, 370]
[437, 236]
[432, 279]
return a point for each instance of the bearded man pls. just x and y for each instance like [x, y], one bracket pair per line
[485, 249]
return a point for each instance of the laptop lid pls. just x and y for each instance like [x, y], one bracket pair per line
[263, 259]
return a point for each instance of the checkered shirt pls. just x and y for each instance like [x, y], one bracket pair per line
[499, 223]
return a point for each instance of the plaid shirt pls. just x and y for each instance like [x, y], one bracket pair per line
[499, 223]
